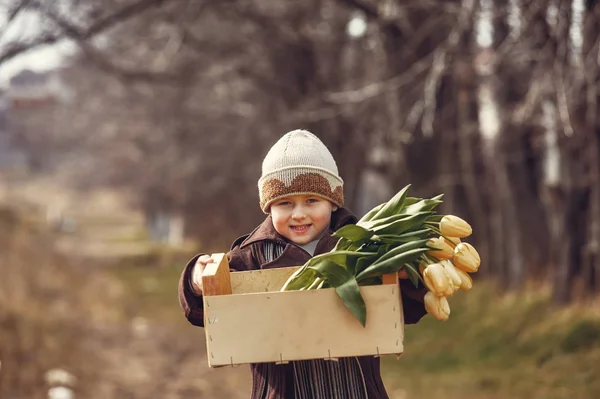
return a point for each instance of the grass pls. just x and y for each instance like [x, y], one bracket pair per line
[496, 347]
[152, 280]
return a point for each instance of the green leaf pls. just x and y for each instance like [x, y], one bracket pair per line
[383, 249]
[403, 225]
[371, 213]
[435, 218]
[351, 264]
[342, 244]
[413, 274]
[356, 234]
[345, 286]
[390, 265]
[403, 248]
[405, 237]
[300, 279]
[394, 205]
[373, 224]
[338, 257]
[408, 201]
[370, 246]
[361, 265]
[421, 206]
[415, 233]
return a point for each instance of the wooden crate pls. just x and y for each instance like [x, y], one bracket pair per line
[248, 320]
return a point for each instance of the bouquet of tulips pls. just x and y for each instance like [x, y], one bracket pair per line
[403, 233]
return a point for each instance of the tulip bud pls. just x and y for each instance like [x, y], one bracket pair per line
[442, 249]
[466, 257]
[452, 273]
[453, 226]
[437, 280]
[466, 281]
[452, 241]
[437, 306]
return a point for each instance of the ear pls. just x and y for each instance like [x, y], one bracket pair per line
[334, 208]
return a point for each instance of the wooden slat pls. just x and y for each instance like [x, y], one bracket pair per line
[216, 278]
[295, 325]
[391, 278]
[273, 279]
[260, 280]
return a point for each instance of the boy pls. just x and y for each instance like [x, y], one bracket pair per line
[302, 194]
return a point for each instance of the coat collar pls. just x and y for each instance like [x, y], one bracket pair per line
[266, 231]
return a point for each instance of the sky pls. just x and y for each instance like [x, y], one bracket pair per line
[40, 59]
[45, 58]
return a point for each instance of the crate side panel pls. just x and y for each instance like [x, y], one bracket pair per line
[265, 280]
[297, 325]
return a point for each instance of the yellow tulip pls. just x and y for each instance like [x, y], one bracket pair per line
[452, 241]
[466, 257]
[422, 266]
[466, 280]
[437, 280]
[453, 226]
[437, 306]
[442, 251]
[451, 271]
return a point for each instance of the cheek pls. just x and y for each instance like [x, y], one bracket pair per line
[323, 216]
[279, 218]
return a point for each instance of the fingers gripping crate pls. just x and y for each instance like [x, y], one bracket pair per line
[248, 320]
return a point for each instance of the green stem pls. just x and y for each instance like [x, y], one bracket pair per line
[427, 259]
[438, 231]
[315, 284]
[434, 229]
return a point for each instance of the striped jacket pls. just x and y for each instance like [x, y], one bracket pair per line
[346, 378]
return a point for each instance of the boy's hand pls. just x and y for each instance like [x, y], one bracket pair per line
[402, 274]
[197, 273]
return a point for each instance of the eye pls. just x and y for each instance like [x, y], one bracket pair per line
[283, 203]
[313, 200]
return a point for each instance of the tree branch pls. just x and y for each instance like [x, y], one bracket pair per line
[68, 30]
[104, 64]
[14, 49]
[378, 88]
[369, 11]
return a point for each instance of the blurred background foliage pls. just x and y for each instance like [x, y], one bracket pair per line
[144, 146]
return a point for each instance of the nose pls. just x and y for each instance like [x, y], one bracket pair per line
[298, 213]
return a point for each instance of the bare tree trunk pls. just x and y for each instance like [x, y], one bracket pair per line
[498, 188]
[574, 191]
[591, 258]
[571, 244]
[474, 194]
[589, 32]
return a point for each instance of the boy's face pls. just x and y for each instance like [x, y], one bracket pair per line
[301, 218]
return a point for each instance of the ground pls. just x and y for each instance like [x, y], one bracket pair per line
[495, 345]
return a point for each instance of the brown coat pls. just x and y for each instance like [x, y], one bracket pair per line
[247, 255]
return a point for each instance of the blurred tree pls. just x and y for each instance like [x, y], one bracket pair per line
[177, 102]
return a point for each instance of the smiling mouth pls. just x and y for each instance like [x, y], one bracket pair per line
[300, 228]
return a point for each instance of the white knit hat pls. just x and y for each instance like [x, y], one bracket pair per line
[299, 163]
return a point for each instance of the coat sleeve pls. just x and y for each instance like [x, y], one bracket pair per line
[412, 302]
[192, 304]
